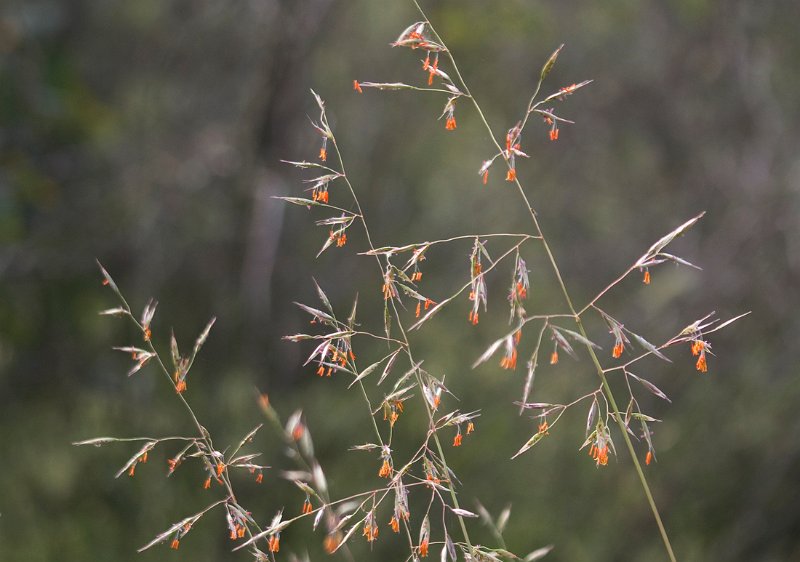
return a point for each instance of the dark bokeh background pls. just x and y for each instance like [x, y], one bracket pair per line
[148, 134]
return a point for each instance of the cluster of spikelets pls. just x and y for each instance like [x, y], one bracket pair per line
[426, 472]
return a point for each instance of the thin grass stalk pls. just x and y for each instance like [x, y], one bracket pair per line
[407, 347]
[551, 259]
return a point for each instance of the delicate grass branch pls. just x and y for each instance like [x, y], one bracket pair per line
[567, 298]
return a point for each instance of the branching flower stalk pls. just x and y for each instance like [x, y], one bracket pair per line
[333, 353]
[557, 272]
[295, 434]
[397, 280]
[422, 35]
[215, 462]
[406, 345]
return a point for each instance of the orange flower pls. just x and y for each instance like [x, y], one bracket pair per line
[386, 469]
[394, 524]
[600, 455]
[485, 177]
[509, 361]
[307, 507]
[392, 410]
[511, 175]
[220, 469]
[370, 530]
[457, 440]
[617, 351]
[323, 154]
[357, 87]
[341, 239]
[132, 469]
[450, 124]
[554, 134]
[473, 317]
[554, 357]
[175, 544]
[699, 348]
[180, 387]
[274, 543]
[207, 483]
[431, 68]
[419, 306]
[701, 364]
[646, 279]
[470, 428]
[423, 548]
[649, 458]
[322, 195]
[512, 136]
[543, 428]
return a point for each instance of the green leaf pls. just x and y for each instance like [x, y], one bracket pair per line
[548, 66]
[365, 372]
[665, 240]
[530, 443]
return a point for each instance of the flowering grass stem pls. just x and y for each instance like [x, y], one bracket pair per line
[406, 347]
[557, 272]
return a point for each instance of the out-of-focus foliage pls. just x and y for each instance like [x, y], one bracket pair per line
[148, 134]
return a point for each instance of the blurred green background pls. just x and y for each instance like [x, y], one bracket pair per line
[148, 135]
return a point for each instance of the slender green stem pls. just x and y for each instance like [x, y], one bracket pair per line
[565, 293]
[205, 437]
